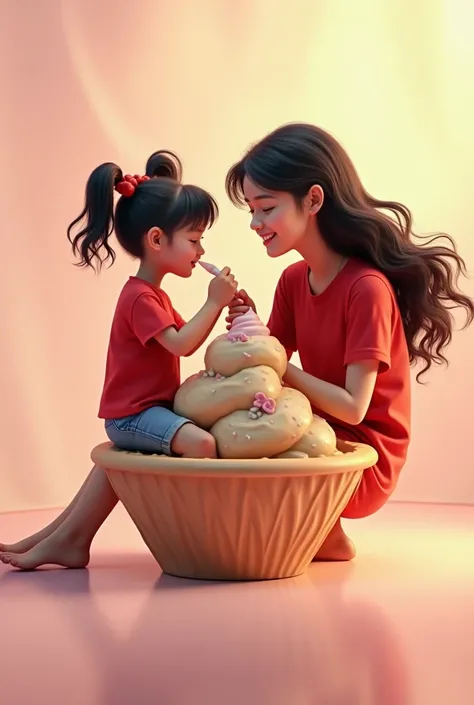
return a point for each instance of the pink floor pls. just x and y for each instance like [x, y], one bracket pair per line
[396, 627]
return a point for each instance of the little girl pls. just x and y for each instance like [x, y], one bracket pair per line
[364, 302]
[160, 222]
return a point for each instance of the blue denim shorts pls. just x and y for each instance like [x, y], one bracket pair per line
[150, 431]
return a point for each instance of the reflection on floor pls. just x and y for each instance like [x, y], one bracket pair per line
[395, 627]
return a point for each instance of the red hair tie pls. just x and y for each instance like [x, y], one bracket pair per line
[126, 187]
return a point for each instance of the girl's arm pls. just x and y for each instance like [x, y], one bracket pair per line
[204, 337]
[350, 404]
[190, 337]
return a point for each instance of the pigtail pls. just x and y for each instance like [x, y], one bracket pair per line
[164, 164]
[96, 221]
[155, 200]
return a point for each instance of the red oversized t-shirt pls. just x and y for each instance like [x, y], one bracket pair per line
[355, 318]
[140, 372]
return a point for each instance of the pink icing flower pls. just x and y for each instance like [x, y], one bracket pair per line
[266, 404]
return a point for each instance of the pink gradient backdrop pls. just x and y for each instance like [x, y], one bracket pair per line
[84, 82]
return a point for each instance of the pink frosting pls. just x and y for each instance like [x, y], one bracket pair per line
[246, 325]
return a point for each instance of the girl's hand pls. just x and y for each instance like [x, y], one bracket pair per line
[240, 304]
[222, 288]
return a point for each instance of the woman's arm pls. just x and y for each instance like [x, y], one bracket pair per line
[371, 315]
[350, 404]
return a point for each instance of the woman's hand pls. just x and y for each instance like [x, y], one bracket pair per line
[240, 304]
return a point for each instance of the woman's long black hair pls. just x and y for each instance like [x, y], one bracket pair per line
[353, 223]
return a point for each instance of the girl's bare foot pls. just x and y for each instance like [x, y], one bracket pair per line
[67, 540]
[337, 546]
[24, 545]
[52, 550]
[30, 542]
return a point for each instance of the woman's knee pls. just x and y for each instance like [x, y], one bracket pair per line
[370, 496]
[192, 442]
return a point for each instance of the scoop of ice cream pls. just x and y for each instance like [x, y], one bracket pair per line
[296, 454]
[206, 398]
[246, 435]
[228, 356]
[318, 441]
[247, 325]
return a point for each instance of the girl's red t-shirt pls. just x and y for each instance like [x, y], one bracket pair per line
[355, 318]
[140, 372]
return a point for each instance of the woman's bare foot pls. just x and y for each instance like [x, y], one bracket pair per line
[337, 546]
[53, 550]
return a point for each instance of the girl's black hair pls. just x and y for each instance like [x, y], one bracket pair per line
[162, 201]
[355, 224]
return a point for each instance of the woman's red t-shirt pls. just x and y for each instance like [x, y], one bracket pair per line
[355, 318]
[140, 372]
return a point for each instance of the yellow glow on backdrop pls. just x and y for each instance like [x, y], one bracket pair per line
[85, 82]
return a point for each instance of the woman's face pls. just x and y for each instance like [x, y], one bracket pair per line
[276, 218]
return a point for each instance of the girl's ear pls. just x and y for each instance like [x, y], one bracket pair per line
[153, 238]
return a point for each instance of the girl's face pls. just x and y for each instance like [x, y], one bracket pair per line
[277, 219]
[177, 255]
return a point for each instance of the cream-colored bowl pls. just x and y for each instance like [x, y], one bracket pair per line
[234, 519]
